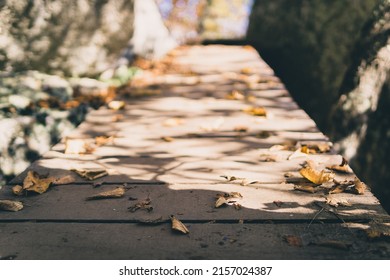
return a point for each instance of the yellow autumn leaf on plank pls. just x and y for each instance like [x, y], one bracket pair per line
[315, 176]
[256, 111]
[343, 167]
[33, 182]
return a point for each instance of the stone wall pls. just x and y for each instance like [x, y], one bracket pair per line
[68, 37]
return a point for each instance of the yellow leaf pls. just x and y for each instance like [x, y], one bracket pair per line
[235, 95]
[103, 140]
[11, 205]
[115, 193]
[91, 174]
[314, 176]
[178, 225]
[17, 190]
[256, 111]
[167, 139]
[359, 187]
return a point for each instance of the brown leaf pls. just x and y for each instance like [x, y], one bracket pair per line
[343, 167]
[178, 225]
[317, 147]
[314, 176]
[335, 202]
[221, 201]
[103, 140]
[359, 187]
[235, 195]
[91, 174]
[11, 205]
[173, 122]
[77, 146]
[256, 111]
[65, 180]
[144, 204]
[35, 183]
[116, 105]
[18, 190]
[115, 193]
[293, 240]
[235, 95]
[167, 139]
[306, 188]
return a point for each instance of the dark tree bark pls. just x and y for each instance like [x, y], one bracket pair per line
[361, 119]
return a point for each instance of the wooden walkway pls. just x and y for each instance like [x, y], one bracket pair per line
[174, 153]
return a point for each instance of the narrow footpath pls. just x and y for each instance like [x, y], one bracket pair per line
[214, 142]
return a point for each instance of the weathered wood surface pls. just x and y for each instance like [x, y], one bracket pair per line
[211, 137]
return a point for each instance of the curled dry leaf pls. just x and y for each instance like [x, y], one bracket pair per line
[91, 174]
[33, 183]
[221, 201]
[178, 225]
[167, 139]
[11, 205]
[293, 240]
[306, 188]
[115, 193]
[65, 180]
[314, 176]
[336, 202]
[235, 95]
[144, 204]
[359, 187]
[343, 167]
[256, 111]
[173, 122]
[77, 146]
[116, 105]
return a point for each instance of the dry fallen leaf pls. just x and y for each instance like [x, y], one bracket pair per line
[167, 139]
[91, 174]
[359, 187]
[173, 122]
[103, 140]
[144, 204]
[293, 240]
[231, 178]
[256, 111]
[77, 146]
[33, 183]
[65, 180]
[11, 205]
[115, 193]
[116, 105]
[314, 176]
[317, 147]
[343, 167]
[178, 225]
[235, 95]
[221, 201]
[305, 188]
[335, 202]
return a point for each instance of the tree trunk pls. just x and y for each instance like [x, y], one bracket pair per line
[361, 118]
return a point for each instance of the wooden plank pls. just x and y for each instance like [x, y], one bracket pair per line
[45, 241]
[190, 202]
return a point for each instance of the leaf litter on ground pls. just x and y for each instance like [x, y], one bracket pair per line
[33, 182]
